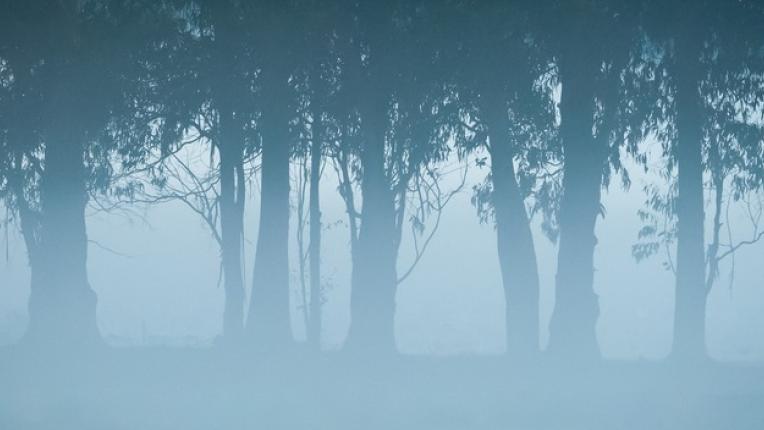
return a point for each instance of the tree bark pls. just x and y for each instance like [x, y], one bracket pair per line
[232, 193]
[269, 313]
[573, 324]
[230, 145]
[516, 251]
[691, 294]
[314, 251]
[374, 267]
[62, 306]
[29, 216]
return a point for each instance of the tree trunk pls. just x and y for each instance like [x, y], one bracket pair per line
[29, 216]
[314, 330]
[690, 304]
[269, 309]
[62, 306]
[573, 324]
[230, 145]
[517, 254]
[374, 275]
[232, 193]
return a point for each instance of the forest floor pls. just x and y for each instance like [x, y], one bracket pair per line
[146, 389]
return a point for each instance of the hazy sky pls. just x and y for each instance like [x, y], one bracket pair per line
[165, 286]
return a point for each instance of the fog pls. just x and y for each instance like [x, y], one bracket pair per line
[157, 278]
[418, 214]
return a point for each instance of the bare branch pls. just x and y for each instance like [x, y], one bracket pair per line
[437, 203]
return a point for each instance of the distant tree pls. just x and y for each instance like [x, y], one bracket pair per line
[197, 91]
[318, 81]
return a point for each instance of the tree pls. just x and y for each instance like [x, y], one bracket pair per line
[388, 108]
[268, 321]
[592, 43]
[711, 85]
[318, 76]
[78, 64]
[230, 86]
[504, 83]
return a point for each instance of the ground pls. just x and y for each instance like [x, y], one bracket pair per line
[145, 389]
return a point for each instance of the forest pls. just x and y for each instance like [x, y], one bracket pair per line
[349, 131]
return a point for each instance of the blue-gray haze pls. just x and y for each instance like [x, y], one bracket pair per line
[399, 214]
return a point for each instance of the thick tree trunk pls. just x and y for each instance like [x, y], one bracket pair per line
[62, 306]
[517, 254]
[29, 216]
[691, 294]
[573, 324]
[232, 193]
[374, 275]
[314, 251]
[30, 231]
[269, 313]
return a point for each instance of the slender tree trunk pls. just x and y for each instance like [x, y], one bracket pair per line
[517, 254]
[374, 267]
[314, 331]
[62, 306]
[230, 145]
[573, 324]
[269, 309]
[232, 192]
[690, 305]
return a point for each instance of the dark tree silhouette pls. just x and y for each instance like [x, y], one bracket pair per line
[20, 163]
[99, 99]
[230, 88]
[394, 133]
[196, 90]
[592, 42]
[74, 68]
[319, 75]
[268, 319]
[713, 83]
[503, 79]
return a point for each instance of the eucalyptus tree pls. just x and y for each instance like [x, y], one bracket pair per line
[203, 94]
[231, 82]
[367, 76]
[709, 53]
[504, 86]
[390, 133]
[592, 41]
[318, 81]
[20, 163]
[78, 64]
[276, 44]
